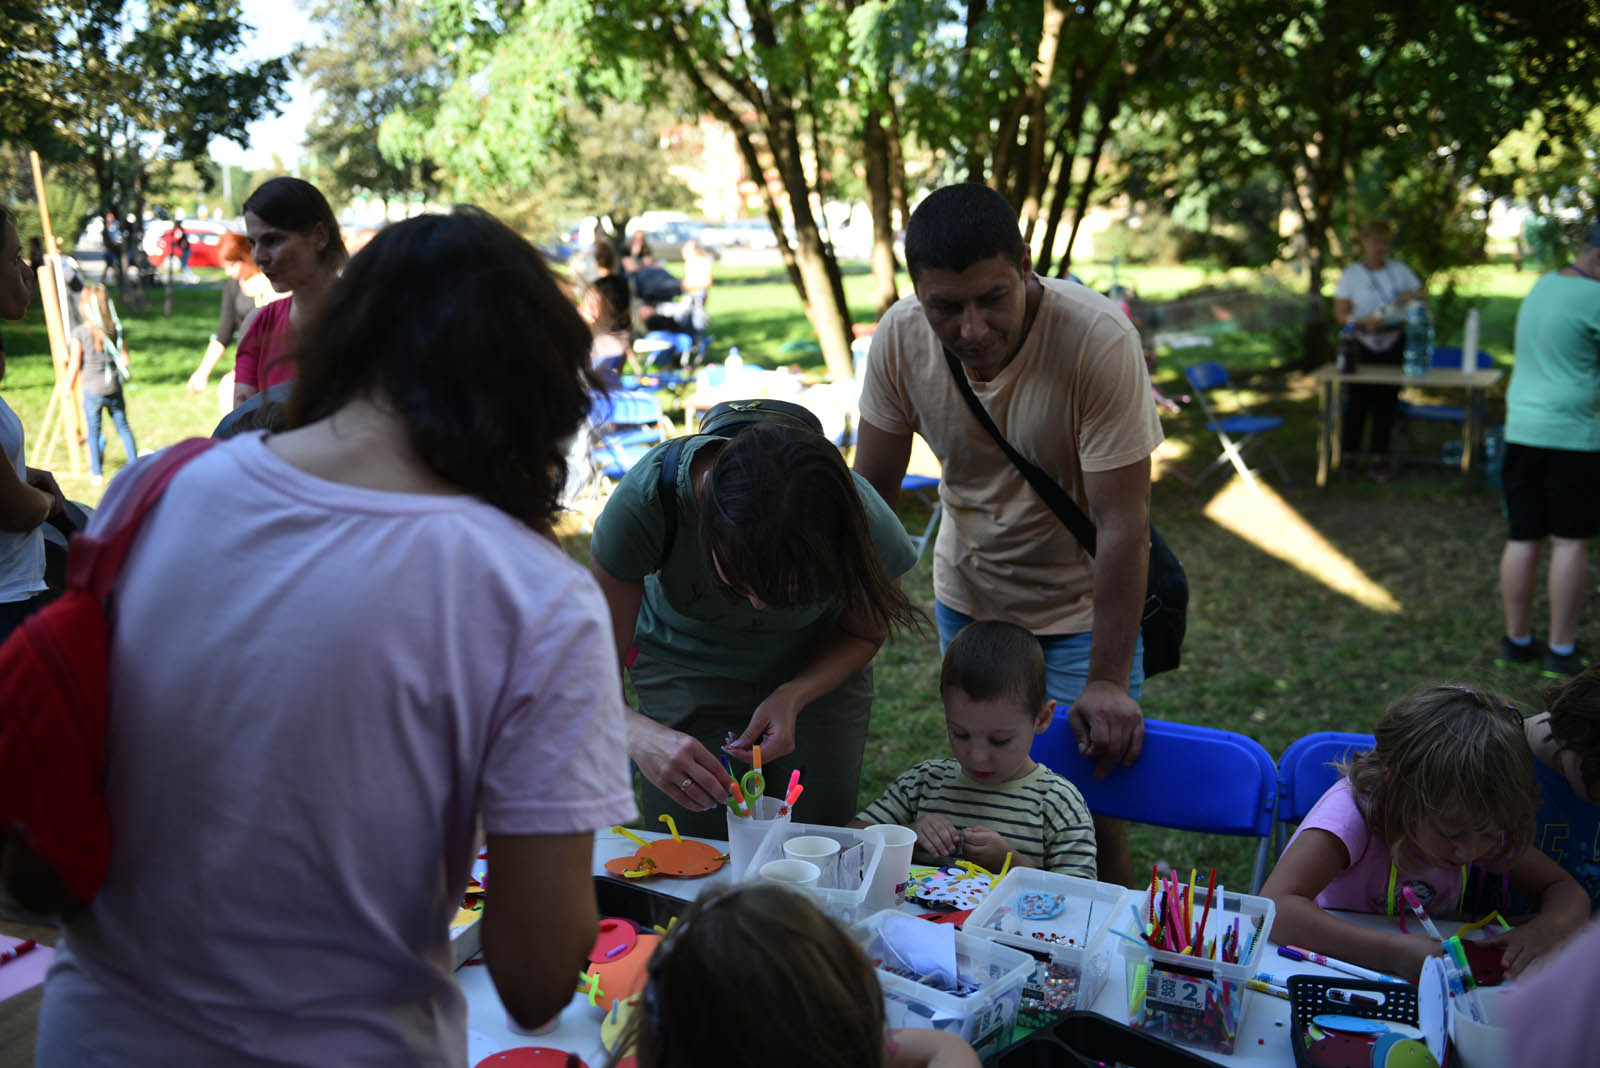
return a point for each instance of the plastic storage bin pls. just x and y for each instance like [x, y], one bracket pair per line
[1070, 949]
[1087, 1040]
[984, 1017]
[842, 891]
[1195, 1000]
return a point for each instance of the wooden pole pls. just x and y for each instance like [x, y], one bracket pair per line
[44, 207]
[63, 415]
[62, 412]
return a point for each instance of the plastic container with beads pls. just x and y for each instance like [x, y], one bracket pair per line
[1195, 1000]
[983, 1010]
[1061, 921]
[1423, 1007]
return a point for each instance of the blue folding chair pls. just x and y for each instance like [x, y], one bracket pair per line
[1187, 778]
[926, 489]
[1306, 772]
[1239, 434]
[1409, 414]
[623, 426]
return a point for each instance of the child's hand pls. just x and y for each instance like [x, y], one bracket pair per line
[1525, 944]
[986, 847]
[937, 835]
[1409, 954]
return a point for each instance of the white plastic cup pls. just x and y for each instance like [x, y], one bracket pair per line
[796, 873]
[819, 850]
[746, 835]
[1481, 1045]
[894, 867]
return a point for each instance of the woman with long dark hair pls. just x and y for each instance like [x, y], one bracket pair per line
[246, 291]
[759, 626]
[386, 656]
[295, 241]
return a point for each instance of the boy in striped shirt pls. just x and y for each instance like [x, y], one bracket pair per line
[991, 798]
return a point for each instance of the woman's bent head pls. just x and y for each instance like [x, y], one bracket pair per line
[782, 524]
[455, 324]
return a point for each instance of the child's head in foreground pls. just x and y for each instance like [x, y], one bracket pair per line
[1451, 780]
[1574, 723]
[758, 975]
[992, 683]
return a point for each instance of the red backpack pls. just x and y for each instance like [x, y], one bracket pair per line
[53, 713]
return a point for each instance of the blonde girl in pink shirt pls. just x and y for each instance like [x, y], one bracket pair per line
[1450, 785]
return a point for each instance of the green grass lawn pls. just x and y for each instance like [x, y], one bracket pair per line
[1311, 609]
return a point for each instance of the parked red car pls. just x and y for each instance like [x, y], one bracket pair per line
[204, 235]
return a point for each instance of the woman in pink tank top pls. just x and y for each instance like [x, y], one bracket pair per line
[296, 243]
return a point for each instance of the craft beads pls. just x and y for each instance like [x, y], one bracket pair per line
[1054, 937]
[1051, 992]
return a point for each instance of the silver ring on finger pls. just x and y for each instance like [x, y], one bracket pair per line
[684, 786]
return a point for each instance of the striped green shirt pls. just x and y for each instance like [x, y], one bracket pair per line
[1041, 814]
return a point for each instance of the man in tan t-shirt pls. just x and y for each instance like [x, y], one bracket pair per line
[1061, 372]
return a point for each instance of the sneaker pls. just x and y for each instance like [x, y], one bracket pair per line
[1381, 471]
[1512, 653]
[1557, 666]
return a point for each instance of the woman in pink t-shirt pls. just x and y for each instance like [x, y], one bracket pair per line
[296, 243]
[1450, 785]
[389, 665]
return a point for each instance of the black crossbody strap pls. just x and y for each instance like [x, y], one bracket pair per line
[1049, 491]
[667, 493]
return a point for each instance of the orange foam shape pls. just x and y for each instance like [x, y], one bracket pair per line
[670, 857]
[624, 977]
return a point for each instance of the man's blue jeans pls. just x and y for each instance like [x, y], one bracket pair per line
[1066, 666]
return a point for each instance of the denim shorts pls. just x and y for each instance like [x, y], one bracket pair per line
[1066, 658]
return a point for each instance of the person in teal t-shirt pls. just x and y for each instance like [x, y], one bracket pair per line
[1552, 461]
[759, 627]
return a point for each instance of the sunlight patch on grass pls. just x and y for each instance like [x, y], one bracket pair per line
[1272, 525]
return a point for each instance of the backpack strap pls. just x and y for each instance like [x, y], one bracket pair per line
[667, 491]
[93, 562]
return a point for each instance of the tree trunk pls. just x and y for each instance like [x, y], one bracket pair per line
[897, 162]
[1067, 136]
[1108, 110]
[824, 286]
[1044, 69]
[1060, 187]
[875, 144]
[724, 113]
[976, 9]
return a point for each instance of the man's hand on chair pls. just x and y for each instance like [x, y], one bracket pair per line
[1108, 725]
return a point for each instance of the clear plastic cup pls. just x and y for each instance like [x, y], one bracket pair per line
[746, 835]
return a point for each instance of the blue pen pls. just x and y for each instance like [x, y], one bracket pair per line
[726, 766]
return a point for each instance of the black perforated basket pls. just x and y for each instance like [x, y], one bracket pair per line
[1311, 996]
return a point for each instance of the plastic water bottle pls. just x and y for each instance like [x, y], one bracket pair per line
[1419, 338]
[735, 362]
[1345, 351]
